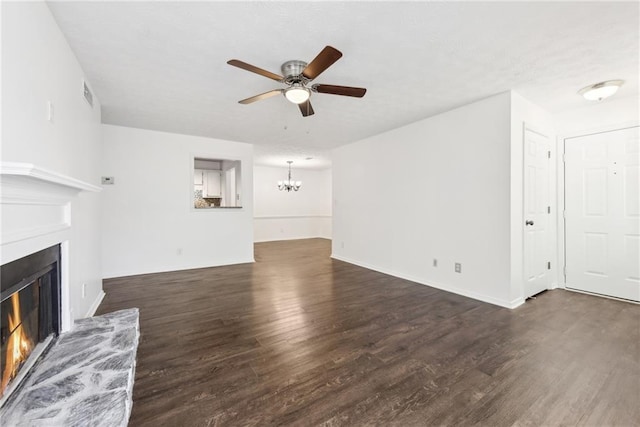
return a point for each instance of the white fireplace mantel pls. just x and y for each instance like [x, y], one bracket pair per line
[35, 201]
[25, 183]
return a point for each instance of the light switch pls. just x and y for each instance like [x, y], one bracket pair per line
[50, 111]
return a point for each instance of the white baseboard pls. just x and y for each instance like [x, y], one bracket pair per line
[94, 307]
[126, 273]
[448, 288]
[280, 239]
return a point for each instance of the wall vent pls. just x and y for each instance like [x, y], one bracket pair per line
[87, 93]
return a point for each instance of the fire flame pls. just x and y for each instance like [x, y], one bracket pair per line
[18, 346]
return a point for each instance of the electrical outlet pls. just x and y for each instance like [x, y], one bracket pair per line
[435, 262]
[84, 290]
[341, 245]
[179, 251]
[108, 180]
[458, 267]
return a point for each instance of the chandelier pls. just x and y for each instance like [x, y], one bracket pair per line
[289, 185]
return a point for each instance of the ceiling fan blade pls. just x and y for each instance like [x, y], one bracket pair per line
[324, 60]
[254, 69]
[261, 96]
[357, 92]
[306, 109]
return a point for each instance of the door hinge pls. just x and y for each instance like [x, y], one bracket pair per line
[548, 265]
[564, 270]
[549, 154]
[564, 157]
[564, 214]
[548, 209]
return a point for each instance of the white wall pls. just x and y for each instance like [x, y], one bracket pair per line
[596, 116]
[149, 224]
[437, 188]
[39, 66]
[282, 215]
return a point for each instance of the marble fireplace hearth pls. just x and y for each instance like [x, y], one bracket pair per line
[86, 378]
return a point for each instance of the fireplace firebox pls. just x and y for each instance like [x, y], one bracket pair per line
[29, 313]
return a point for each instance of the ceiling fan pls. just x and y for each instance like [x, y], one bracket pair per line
[298, 76]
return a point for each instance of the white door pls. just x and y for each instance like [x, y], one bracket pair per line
[537, 213]
[602, 213]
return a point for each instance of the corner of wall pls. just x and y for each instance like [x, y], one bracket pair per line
[95, 304]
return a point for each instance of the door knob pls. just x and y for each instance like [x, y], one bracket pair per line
[528, 222]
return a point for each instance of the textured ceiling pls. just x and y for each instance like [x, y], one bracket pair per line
[162, 65]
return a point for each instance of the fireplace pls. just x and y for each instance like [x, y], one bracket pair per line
[29, 313]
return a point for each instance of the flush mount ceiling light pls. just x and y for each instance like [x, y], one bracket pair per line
[600, 91]
[297, 94]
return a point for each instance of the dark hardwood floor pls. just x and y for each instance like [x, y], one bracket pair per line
[300, 339]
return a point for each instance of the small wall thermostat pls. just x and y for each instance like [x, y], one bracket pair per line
[108, 180]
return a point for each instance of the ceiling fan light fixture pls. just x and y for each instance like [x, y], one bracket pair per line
[297, 94]
[296, 75]
[600, 91]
